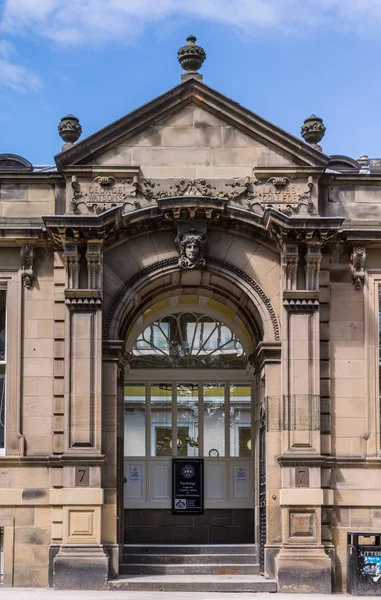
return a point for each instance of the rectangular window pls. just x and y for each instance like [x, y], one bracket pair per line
[1, 555]
[240, 420]
[167, 419]
[135, 419]
[3, 355]
[379, 355]
[161, 419]
[187, 419]
[214, 420]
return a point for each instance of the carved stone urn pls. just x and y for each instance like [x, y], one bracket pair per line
[313, 130]
[69, 129]
[191, 56]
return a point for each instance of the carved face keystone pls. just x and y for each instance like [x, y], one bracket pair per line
[191, 247]
[192, 251]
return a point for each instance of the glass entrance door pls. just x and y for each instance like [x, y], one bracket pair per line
[198, 418]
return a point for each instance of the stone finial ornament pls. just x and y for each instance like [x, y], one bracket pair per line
[70, 130]
[313, 130]
[191, 56]
[192, 246]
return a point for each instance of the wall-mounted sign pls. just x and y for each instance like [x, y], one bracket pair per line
[82, 476]
[188, 486]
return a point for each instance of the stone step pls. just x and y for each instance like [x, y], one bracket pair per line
[189, 569]
[195, 583]
[190, 549]
[177, 559]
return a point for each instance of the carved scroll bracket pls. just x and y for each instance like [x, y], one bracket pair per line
[27, 273]
[313, 260]
[358, 258]
[290, 259]
[71, 258]
[94, 265]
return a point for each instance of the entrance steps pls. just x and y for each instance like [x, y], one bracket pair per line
[201, 568]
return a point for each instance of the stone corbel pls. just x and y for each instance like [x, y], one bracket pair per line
[313, 260]
[358, 258]
[94, 265]
[27, 273]
[290, 263]
[71, 256]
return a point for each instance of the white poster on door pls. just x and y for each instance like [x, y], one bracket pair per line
[134, 473]
[240, 474]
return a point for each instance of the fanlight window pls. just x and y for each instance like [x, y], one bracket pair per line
[188, 340]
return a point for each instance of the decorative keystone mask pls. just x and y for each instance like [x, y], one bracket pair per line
[192, 246]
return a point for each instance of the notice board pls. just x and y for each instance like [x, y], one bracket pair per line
[187, 486]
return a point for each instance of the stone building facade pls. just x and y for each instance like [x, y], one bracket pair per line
[190, 241]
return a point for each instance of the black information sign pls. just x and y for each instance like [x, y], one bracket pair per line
[188, 486]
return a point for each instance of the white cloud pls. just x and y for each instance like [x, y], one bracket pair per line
[6, 48]
[15, 76]
[84, 21]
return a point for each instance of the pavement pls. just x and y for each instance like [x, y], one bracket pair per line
[48, 594]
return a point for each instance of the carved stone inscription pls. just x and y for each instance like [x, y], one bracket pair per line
[108, 190]
[302, 477]
[82, 476]
[105, 192]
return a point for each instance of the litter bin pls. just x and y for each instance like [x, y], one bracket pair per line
[364, 563]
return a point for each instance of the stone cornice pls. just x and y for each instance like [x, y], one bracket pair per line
[329, 462]
[16, 235]
[265, 353]
[52, 460]
[361, 235]
[308, 223]
[30, 177]
[371, 179]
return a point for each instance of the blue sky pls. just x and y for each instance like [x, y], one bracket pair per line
[100, 59]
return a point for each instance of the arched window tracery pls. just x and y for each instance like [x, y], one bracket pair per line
[188, 339]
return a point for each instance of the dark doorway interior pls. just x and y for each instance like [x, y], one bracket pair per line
[215, 526]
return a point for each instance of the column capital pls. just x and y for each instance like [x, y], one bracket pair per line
[265, 353]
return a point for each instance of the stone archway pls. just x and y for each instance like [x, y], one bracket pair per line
[222, 284]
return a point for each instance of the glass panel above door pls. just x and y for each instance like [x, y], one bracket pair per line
[186, 340]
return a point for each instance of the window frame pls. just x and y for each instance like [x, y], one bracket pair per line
[4, 363]
[147, 378]
[372, 409]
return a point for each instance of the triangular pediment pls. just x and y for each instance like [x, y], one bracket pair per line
[194, 130]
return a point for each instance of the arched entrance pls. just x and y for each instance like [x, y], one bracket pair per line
[223, 294]
[189, 392]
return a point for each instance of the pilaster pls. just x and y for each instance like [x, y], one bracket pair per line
[302, 564]
[79, 559]
[83, 347]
